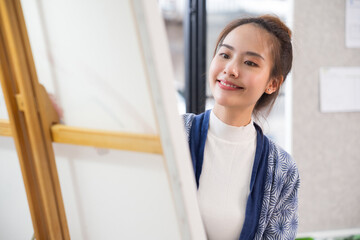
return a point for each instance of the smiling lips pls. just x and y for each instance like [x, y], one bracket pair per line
[227, 85]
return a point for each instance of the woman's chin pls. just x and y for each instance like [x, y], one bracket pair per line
[225, 102]
[232, 104]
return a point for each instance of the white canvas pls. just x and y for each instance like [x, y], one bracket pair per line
[15, 218]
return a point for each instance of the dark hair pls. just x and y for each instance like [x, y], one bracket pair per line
[281, 50]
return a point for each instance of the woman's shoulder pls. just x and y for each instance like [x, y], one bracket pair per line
[202, 120]
[278, 152]
[277, 155]
[188, 120]
[282, 163]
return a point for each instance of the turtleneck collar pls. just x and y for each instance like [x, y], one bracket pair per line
[231, 133]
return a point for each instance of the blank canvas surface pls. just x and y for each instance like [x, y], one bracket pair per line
[87, 54]
[15, 218]
[115, 194]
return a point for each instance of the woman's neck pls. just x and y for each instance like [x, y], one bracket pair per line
[237, 117]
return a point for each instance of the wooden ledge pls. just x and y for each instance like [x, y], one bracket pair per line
[96, 138]
[106, 139]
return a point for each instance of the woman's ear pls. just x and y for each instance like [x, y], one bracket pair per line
[274, 84]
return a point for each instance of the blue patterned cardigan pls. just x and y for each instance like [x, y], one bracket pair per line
[271, 209]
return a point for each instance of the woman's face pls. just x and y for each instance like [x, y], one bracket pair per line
[239, 72]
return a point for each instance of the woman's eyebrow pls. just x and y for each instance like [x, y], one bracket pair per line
[250, 53]
[227, 46]
[254, 54]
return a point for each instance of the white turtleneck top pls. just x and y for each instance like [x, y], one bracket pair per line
[225, 178]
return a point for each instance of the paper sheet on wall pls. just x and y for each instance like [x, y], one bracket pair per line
[339, 89]
[352, 34]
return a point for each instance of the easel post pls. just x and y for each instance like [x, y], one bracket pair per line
[31, 115]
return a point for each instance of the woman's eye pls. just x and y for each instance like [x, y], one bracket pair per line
[224, 55]
[250, 63]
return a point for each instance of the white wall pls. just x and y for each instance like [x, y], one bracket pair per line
[326, 146]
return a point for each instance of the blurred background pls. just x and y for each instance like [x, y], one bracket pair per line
[324, 144]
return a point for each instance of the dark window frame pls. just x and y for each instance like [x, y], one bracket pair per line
[195, 56]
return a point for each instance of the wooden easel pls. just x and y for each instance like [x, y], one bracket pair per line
[33, 123]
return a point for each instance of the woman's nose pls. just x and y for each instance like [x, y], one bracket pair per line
[232, 70]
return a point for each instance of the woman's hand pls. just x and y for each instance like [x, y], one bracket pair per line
[57, 108]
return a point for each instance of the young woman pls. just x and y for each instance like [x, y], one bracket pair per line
[247, 185]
